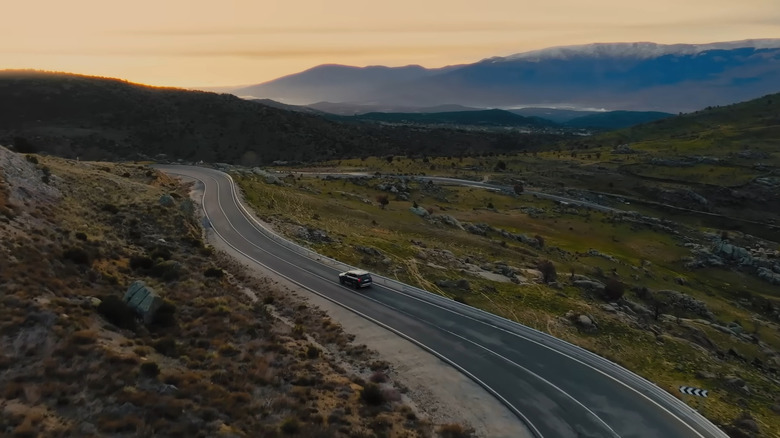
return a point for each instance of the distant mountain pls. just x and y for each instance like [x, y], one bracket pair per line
[618, 76]
[615, 119]
[102, 119]
[557, 115]
[324, 82]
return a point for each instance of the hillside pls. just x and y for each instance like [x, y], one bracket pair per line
[227, 353]
[98, 118]
[611, 120]
[494, 118]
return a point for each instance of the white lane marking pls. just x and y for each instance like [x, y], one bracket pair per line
[442, 357]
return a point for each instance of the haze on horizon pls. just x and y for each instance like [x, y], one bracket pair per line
[193, 43]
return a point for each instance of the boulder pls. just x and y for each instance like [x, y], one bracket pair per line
[592, 286]
[144, 300]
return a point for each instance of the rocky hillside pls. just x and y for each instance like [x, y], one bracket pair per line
[221, 355]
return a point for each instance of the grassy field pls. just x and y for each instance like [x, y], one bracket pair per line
[641, 257]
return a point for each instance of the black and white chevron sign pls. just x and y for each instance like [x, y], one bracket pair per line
[693, 391]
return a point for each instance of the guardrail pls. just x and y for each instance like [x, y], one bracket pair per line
[639, 384]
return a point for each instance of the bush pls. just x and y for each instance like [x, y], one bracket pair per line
[547, 268]
[312, 352]
[372, 395]
[117, 312]
[214, 273]
[81, 236]
[150, 369]
[110, 208]
[164, 316]
[141, 262]
[77, 255]
[166, 346]
[614, 289]
[539, 240]
[32, 158]
[290, 426]
[455, 431]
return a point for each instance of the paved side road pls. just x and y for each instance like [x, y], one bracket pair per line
[556, 394]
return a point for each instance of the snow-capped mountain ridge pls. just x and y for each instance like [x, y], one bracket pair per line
[638, 50]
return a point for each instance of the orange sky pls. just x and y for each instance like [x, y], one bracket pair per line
[190, 43]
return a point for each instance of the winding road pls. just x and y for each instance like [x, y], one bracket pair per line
[557, 389]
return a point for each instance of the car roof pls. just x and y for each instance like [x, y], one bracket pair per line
[357, 272]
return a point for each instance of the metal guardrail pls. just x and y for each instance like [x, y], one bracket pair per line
[650, 390]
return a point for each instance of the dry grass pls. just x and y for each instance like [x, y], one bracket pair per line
[226, 365]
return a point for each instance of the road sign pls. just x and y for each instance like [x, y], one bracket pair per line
[693, 391]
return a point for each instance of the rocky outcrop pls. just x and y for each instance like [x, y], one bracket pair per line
[144, 300]
[685, 303]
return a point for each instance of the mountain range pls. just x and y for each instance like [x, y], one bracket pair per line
[608, 76]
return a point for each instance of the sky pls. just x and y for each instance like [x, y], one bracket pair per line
[200, 43]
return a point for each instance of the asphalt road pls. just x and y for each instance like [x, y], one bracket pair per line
[547, 383]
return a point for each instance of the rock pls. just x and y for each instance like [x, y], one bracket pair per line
[419, 211]
[748, 424]
[94, 301]
[768, 275]
[368, 250]
[591, 286]
[463, 284]
[585, 321]
[143, 300]
[87, 428]
[609, 308]
[705, 375]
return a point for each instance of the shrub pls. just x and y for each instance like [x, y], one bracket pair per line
[614, 289]
[81, 236]
[455, 431]
[161, 252]
[214, 273]
[312, 352]
[117, 312]
[539, 240]
[110, 208]
[141, 262]
[166, 346]
[378, 377]
[164, 317]
[372, 395]
[150, 369]
[32, 158]
[168, 270]
[547, 268]
[290, 426]
[77, 255]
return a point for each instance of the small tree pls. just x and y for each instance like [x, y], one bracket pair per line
[547, 268]
[500, 166]
[539, 241]
[518, 189]
[382, 200]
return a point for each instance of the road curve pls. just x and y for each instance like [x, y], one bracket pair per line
[542, 380]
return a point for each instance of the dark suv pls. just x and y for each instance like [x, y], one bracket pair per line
[355, 278]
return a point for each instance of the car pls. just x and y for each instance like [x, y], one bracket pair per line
[356, 278]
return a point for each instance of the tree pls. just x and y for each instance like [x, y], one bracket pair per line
[500, 166]
[614, 290]
[519, 188]
[547, 268]
[382, 200]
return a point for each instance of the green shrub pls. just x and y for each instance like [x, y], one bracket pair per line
[150, 369]
[547, 268]
[78, 256]
[164, 317]
[455, 431]
[372, 395]
[214, 273]
[117, 312]
[141, 262]
[166, 346]
[614, 290]
[290, 426]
